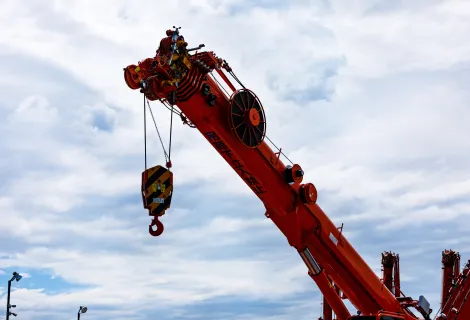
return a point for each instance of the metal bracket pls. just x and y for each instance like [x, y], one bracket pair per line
[340, 232]
[196, 48]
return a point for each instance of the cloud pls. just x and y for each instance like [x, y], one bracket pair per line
[371, 99]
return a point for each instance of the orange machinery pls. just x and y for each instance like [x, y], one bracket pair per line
[455, 285]
[234, 123]
[455, 288]
[450, 273]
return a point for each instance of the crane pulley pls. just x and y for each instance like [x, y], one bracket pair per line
[157, 191]
[157, 181]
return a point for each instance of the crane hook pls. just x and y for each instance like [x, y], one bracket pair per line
[159, 230]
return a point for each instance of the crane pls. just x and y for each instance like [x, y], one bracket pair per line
[450, 273]
[233, 121]
[455, 287]
[391, 272]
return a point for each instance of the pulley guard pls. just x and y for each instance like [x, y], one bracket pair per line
[246, 118]
[157, 190]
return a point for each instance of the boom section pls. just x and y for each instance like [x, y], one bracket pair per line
[301, 220]
[234, 123]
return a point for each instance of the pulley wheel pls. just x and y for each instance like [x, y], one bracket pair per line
[131, 77]
[247, 118]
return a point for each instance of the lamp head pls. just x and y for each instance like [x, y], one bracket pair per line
[83, 309]
[16, 276]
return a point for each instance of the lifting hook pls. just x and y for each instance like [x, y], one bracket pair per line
[159, 227]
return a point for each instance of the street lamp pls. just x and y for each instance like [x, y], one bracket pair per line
[81, 310]
[17, 277]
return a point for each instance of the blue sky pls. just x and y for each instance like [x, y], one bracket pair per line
[371, 99]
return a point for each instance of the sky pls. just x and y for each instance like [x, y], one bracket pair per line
[370, 97]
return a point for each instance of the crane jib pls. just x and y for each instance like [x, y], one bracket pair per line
[235, 125]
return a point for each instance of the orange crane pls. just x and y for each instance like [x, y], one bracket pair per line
[391, 272]
[455, 288]
[450, 273]
[455, 285]
[233, 121]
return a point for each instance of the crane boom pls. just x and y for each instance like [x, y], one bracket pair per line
[234, 123]
[306, 227]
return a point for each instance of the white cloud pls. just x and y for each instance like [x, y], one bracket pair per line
[370, 99]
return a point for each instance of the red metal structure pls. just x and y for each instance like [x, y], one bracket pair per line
[234, 123]
[450, 272]
[391, 272]
[455, 288]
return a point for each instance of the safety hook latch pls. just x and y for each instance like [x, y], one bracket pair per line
[159, 227]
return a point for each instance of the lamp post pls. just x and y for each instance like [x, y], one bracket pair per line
[81, 310]
[17, 277]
